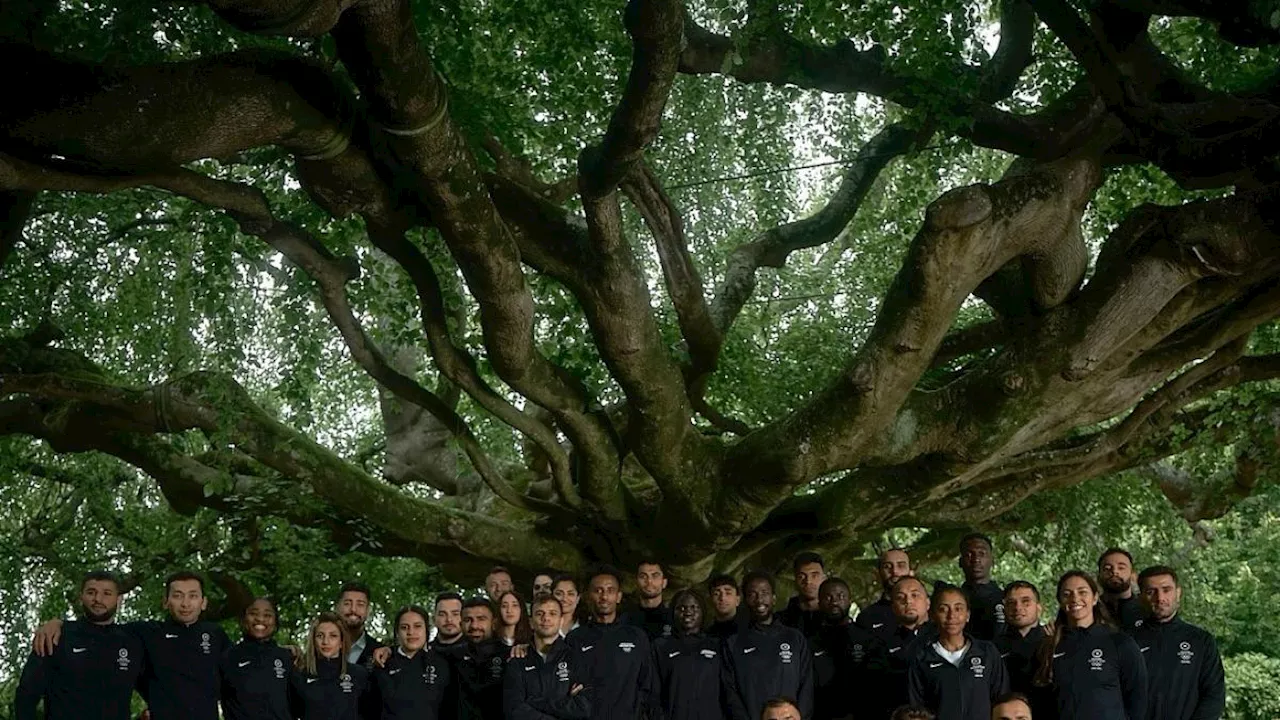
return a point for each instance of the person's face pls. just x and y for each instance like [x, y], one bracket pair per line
[449, 618]
[894, 564]
[546, 620]
[497, 583]
[726, 599]
[759, 599]
[834, 602]
[1115, 573]
[1012, 710]
[950, 614]
[259, 620]
[328, 640]
[99, 600]
[541, 585]
[688, 614]
[604, 593]
[510, 610]
[185, 601]
[1021, 609]
[412, 632]
[976, 560]
[353, 608]
[809, 578]
[567, 593]
[910, 602]
[477, 623]
[650, 581]
[1162, 596]
[1077, 599]
[786, 712]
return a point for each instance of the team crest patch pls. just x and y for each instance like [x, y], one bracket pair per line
[708, 653]
[346, 684]
[562, 671]
[979, 670]
[205, 645]
[279, 668]
[627, 647]
[1096, 661]
[784, 653]
[429, 675]
[122, 659]
[858, 653]
[1184, 653]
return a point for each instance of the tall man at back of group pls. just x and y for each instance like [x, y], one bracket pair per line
[892, 564]
[765, 659]
[92, 673]
[802, 611]
[1115, 576]
[650, 612]
[615, 659]
[986, 598]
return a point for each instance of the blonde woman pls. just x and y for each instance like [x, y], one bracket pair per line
[323, 686]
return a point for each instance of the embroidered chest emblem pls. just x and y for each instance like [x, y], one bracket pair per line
[279, 668]
[562, 671]
[1184, 653]
[627, 647]
[346, 684]
[784, 653]
[122, 659]
[858, 653]
[979, 670]
[429, 675]
[1096, 661]
[205, 645]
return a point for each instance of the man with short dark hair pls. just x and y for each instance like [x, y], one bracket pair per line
[480, 668]
[1020, 641]
[765, 659]
[542, 582]
[725, 602]
[986, 598]
[497, 582]
[781, 709]
[1185, 679]
[180, 673]
[448, 621]
[1115, 575]
[802, 611]
[353, 605]
[93, 671]
[892, 564]
[615, 658]
[848, 660]
[1014, 706]
[547, 682]
[650, 613]
[911, 623]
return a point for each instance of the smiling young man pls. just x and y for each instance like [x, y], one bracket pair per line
[765, 659]
[615, 658]
[547, 683]
[479, 670]
[848, 660]
[1185, 679]
[92, 673]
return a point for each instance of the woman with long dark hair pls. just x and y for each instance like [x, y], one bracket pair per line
[1095, 672]
[565, 589]
[513, 622]
[416, 678]
[323, 685]
[255, 671]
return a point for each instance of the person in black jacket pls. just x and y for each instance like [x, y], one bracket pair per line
[650, 613]
[986, 610]
[802, 611]
[478, 672]
[255, 671]
[412, 684]
[1115, 576]
[546, 682]
[1185, 680]
[957, 676]
[765, 659]
[1094, 670]
[323, 685]
[688, 666]
[892, 564]
[616, 659]
[180, 673]
[726, 601]
[848, 661]
[92, 672]
[1019, 644]
[911, 616]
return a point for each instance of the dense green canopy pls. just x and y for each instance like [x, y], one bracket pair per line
[474, 283]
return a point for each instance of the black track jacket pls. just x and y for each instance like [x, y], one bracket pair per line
[617, 661]
[688, 669]
[966, 692]
[255, 681]
[180, 681]
[1098, 674]
[414, 688]
[763, 662]
[90, 675]
[329, 694]
[537, 688]
[1185, 680]
[849, 663]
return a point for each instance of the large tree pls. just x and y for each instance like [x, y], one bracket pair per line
[524, 285]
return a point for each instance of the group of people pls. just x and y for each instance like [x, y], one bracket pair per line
[1117, 650]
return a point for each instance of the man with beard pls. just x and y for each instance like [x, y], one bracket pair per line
[545, 683]
[848, 660]
[802, 611]
[180, 676]
[1021, 640]
[911, 623]
[92, 672]
[986, 598]
[1185, 680]
[497, 582]
[765, 659]
[725, 600]
[447, 618]
[542, 582]
[1115, 575]
[616, 659]
[892, 564]
[688, 666]
[479, 669]
[353, 605]
[650, 613]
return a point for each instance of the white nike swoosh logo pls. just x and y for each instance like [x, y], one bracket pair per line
[311, 680]
[894, 649]
[246, 662]
[1058, 655]
[820, 653]
[1144, 649]
[934, 665]
[78, 650]
[876, 626]
[1005, 655]
[587, 647]
[167, 635]
[673, 654]
[393, 672]
[748, 650]
[529, 668]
